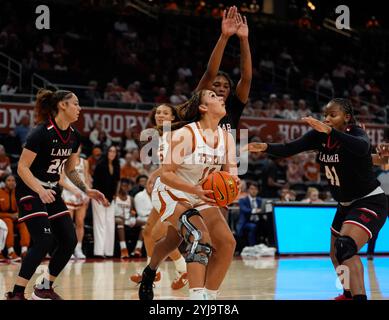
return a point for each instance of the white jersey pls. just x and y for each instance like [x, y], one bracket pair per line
[70, 199]
[163, 147]
[123, 208]
[204, 159]
[195, 167]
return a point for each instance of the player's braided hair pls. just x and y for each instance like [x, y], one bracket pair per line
[347, 108]
[46, 104]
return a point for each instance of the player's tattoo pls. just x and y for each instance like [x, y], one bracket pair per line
[75, 178]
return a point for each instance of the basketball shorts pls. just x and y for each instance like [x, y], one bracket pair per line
[165, 200]
[71, 201]
[368, 213]
[30, 205]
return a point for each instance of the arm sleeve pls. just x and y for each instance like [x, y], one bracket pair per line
[308, 141]
[35, 140]
[356, 142]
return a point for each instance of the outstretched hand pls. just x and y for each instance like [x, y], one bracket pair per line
[243, 29]
[229, 22]
[317, 125]
[254, 147]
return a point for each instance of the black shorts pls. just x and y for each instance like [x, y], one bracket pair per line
[30, 205]
[368, 213]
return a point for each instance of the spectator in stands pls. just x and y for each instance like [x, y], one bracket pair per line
[124, 215]
[287, 195]
[311, 169]
[60, 65]
[143, 206]
[8, 87]
[178, 97]
[360, 88]
[23, 128]
[30, 63]
[274, 177]
[9, 214]
[111, 94]
[243, 189]
[302, 109]
[92, 93]
[140, 184]
[93, 159]
[289, 111]
[325, 88]
[162, 97]
[128, 171]
[294, 173]
[105, 179]
[312, 196]
[128, 142]
[5, 164]
[121, 26]
[45, 47]
[131, 95]
[250, 208]
[100, 137]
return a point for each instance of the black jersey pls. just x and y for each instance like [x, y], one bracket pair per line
[345, 158]
[234, 109]
[52, 147]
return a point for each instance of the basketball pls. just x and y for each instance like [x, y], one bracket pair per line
[224, 187]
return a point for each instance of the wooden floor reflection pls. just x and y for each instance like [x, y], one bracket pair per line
[263, 278]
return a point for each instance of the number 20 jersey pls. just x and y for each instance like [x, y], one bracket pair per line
[52, 147]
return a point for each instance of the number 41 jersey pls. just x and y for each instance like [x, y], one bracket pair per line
[52, 147]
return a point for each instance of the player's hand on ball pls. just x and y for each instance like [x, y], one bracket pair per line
[237, 181]
[255, 147]
[47, 195]
[202, 194]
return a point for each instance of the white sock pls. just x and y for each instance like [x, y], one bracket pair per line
[197, 294]
[24, 249]
[139, 244]
[79, 246]
[10, 250]
[148, 260]
[123, 245]
[212, 294]
[180, 264]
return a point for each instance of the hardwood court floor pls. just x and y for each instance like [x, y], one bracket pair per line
[263, 278]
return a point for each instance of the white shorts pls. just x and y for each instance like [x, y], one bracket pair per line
[71, 201]
[165, 200]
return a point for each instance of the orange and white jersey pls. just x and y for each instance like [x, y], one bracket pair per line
[195, 167]
[204, 159]
[163, 146]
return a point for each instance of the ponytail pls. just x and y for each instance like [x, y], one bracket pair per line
[46, 105]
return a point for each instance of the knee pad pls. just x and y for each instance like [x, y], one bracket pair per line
[196, 250]
[345, 248]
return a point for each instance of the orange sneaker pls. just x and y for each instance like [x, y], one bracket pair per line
[13, 256]
[124, 254]
[137, 277]
[342, 297]
[137, 253]
[180, 281]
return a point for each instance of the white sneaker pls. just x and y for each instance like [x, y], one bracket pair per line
[79, 254]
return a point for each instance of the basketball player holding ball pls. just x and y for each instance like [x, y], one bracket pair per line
[198, 147]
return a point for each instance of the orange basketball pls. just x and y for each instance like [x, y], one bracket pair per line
[224, 187]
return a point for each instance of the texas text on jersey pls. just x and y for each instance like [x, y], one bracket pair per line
[345, 158]
[52, 147]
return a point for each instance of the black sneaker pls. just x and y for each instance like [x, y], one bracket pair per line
[15, 296]
[146, 286]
